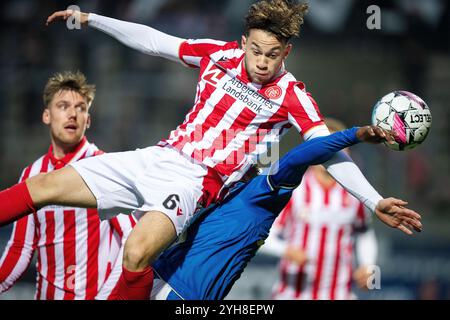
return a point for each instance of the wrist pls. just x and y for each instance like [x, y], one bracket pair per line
[89, 17]
[358, 134]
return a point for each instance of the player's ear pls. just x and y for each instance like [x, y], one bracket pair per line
[88, 123]
[287, 50]
[243, 42]
[46, 116]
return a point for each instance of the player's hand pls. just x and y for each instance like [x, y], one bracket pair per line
[392, 212]
[296, 255]
[374, 134]
[65, 14]
[361, 277]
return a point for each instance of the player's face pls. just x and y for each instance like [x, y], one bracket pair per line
[68, 117]
[264, 55]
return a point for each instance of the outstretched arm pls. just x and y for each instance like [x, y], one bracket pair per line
[136, 36]
[289, 170]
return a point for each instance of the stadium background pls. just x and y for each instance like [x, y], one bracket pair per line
[345, 66]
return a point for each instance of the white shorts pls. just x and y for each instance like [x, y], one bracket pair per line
[151, 179]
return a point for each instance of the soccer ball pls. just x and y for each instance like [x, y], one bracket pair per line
[406, 114]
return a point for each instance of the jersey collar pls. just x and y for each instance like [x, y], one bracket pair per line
[74, 155]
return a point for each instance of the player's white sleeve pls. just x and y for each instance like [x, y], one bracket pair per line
[347, 173]
[138, 36]
[366, 248]
[274, 245]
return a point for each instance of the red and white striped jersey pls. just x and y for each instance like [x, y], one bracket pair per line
[68, 242]
[233, 120]
[321, 222]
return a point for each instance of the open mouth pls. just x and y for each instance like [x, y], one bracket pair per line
[71, 127]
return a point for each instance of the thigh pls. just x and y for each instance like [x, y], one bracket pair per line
[153, 233]
[61, 187]
[111, 178]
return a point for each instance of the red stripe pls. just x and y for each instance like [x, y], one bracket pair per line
[286, 213]
[211, 186]
[98, 153]
[252, 142]
[38, 264]
[114, 222]
[45, 162]
[109, 266]
[318, 276]
[26, 173]
[50, 252]
[336, 264]
[326, 196]
[39, 280]
[244, 118]
[345, 198]
[69, 254]
[283, 276]
[213, 119]
[298, 112]
[132, 221]
[44, 168]
[234, 158]
[83, 155]
[211, 122]
[196, 50]
[300, 273]
[307, 192]
[183, 139]
[93, 254]
[360, 215]
[350, 271]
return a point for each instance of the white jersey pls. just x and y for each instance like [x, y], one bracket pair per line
[69, 242]
[322, 223]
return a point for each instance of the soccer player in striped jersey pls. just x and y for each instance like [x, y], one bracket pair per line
[210, 258]
[245, 100]
[315, 237]
[71, 243]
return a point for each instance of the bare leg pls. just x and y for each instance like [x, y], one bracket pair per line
[152, 234]
[60, 187]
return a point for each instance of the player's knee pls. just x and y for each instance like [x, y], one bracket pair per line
[135, 255]
[43, 188]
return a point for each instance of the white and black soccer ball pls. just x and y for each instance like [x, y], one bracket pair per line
[406, 114]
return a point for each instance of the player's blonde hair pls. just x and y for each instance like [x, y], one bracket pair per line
[283, 18]
[334, 125]
[68, 80]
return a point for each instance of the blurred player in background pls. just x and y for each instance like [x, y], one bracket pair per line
[72, 244]
[245, 100]
[315, 235]
[209, 259]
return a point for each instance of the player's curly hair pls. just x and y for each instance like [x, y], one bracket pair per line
[283, 18]
[68, 80]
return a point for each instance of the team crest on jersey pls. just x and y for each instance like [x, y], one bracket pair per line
[273, 92]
